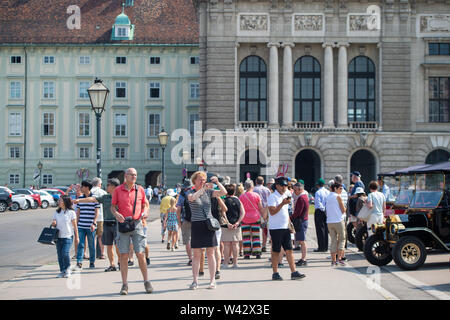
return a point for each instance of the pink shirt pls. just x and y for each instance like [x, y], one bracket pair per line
[250, 202]
[124, 199]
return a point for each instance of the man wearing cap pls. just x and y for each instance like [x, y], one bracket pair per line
[278, 203]
[320, 218]
[353, 198]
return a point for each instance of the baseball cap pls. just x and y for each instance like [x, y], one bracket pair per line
[282, 181]
[320, 182]
[187, 183]
[356, 173]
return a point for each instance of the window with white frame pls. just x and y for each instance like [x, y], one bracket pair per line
[49, 90]
[14, 179]
[121, 89]
[85, 60]
[15, 90]
[49, 59]
[48, 124]
[121, 60]
[48, 152]
[153, 153]
[194, 90]
[195, 60]
[192, 118]
[47, 179]
[154, 121]
[16, 59]
[14, 152]
[84, 124]
[120, 125]
[15, 123]
[155, 90]
[84, 152]
[155, 60]
[120, 152]
[122, 31]
[83, 93]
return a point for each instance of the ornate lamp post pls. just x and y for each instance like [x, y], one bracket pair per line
[163, 138]
[98, 94]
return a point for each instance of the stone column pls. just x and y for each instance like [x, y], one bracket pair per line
[288, 85]
[342, 85]
[328, 118]
[273, 84]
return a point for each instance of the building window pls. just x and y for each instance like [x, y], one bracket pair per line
[120, 125]
[48, 124]
[155, 60]
[439, 92]
[192, 118]
[84, 85]
[15, 90]
[155, 90]
[15, 124]
[361, 90]
[119, 153]
[121, 60]
[14, 152]
[84, 153]
[49, 59]
[85, 60]
[16, 59]
[49, 152]
[194, 91]
[121, 89]
[122, 32]
[14, 179]
[153, 153]
[49, 90]
[195, 60]
[154, 121]
[253, 89]
[84, 124]
[439, 49]
[47, 179]
[307, 89]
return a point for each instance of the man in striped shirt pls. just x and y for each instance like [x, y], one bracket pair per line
[87, 215]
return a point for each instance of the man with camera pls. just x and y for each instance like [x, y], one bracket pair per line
[280, 234]
[129, 206]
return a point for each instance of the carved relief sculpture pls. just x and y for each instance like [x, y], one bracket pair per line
[363, 22]
[253, 23]
[308, 22]
[435, 23]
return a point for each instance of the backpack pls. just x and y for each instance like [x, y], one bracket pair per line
[187, 208]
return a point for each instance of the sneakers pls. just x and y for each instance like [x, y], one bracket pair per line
[217, 277]
[189, 262]
[276, 276]
[176, 246]
[91, 265]
[201, 273]
[344, 258]
[301, 262]
[280, 265]
[60, 275]
[148, 261]
[124, 290]
[68, 273]
[79, 266]
[148, 287]
[263, 249]
[110, 268]
[193, 286]
[212, 285]
[333, 263]
[168, 245]
[235, 266]
[297, 275]
[341, 263]
[130, 263]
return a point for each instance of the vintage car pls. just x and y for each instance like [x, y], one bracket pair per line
[424, 227]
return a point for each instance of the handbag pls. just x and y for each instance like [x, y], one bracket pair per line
[49, 236]
[129, 225]
[364, 213]
[212, 223]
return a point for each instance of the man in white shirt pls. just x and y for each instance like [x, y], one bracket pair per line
[320, 218]
[278, 203]
[98, 192]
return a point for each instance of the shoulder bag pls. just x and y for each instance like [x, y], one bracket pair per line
[129, 225]
[211, 222]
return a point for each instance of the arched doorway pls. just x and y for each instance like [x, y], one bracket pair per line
[254, 167]
[119, 174]
[436, 156]
[308, 168]
[364, 161]
[153, 178]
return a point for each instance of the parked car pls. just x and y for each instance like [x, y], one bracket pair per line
[20, 201]
[46, 199]
[5, 199]
[55, 193]
[36, 197]
[63, 189]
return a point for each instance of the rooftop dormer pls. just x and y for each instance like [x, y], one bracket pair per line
[122, 28]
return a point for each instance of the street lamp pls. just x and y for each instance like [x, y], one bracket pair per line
[40, 165]
[186, 158]
[163, 138]
[98, 94]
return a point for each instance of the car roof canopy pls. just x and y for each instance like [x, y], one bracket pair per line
[412, 169]
[443, 167]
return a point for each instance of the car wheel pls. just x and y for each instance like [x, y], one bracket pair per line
[360, 237]
[14, 206]
[44, 204]
[351, 232]
[27, 205]
[377, 250]
[3, 206]
[409, 253]
[35, 205]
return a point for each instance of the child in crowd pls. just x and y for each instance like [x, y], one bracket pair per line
[171, 223]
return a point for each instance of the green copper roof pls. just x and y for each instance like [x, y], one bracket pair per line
[122, 19]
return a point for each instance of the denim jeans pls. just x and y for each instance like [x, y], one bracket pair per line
[82, 233]
[63, 250]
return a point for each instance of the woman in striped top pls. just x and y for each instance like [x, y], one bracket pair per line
[200, 203]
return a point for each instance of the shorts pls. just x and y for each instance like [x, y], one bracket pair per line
[337, 235]
[300, 235]
[138, 237]
[145, 232]
[281, 238]
[186, 232]
[99, 230]
[109, 233]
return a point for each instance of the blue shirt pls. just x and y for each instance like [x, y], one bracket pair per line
[320, 197]
[180, 204]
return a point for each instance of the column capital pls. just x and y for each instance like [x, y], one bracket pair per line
[288, 44]
[328, 44]
[343, 44]
[273, 44]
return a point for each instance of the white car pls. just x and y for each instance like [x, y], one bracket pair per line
[21, 201]
[46, 199]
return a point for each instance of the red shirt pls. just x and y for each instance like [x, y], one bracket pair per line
[301, 208]
[124, 199]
